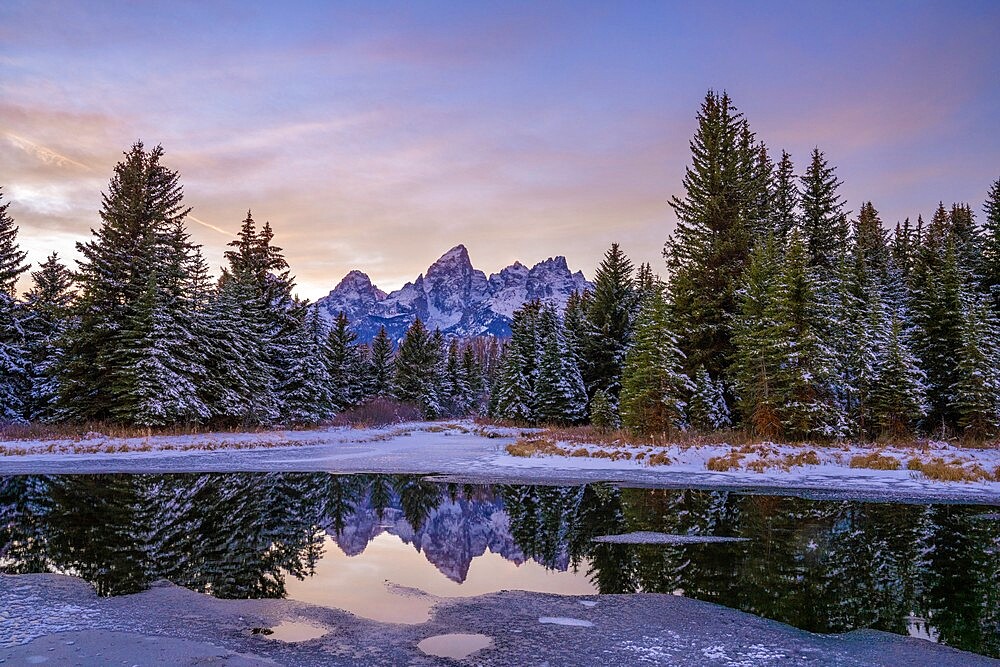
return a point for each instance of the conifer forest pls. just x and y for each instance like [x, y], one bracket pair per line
[780, 310]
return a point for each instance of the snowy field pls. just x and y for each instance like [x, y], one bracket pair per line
[465, 450]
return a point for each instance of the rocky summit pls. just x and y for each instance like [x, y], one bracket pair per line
[452, 296]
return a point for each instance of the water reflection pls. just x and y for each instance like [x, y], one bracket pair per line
[822, 566]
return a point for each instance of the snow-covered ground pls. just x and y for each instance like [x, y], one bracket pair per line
[468, 451]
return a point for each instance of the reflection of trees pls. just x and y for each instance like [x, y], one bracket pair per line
[822, 566]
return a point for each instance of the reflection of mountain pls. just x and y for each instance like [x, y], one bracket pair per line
[451, 536]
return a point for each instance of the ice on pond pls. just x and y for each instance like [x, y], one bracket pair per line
[647, 537]
[296, 631]
[588, 603]
[456, 645]
[562, 620]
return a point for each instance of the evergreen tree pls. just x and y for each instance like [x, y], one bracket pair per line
[709, 250]
[707, 410]
[457, 392]
[602, 414]
[514, 395]
[990, 265]
[473, 373]
[343, 363]
[307, 394]
[823, 223]
[976, 394]
[416, 379]
[653, 382]
[611, 310]
[13, 355]
[135, 308]
[759, 353]
[559, 392]
[898, 398]
[47, 307]
[785, 201]
[382, 368]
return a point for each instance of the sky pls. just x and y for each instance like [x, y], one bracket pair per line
[376, 136]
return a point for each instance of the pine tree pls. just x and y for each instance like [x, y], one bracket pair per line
[514, 394]
[707, 410]
[805, 380]
[307, 393]
[560, 395]
[602, 414]
[898, 397]
[457, 392]
[785, 201]
[343, 364]
[382, 365]
[976, 394]
[13, 355]
[47, 307]
[990, 265]
[611, 310]
[653, 382]
[759, 352]
[416, 379]
[473, 373]
[135, 306]
[823, 222]
[709, 250]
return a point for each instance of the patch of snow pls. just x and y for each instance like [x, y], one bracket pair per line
[563, 620]
[648, 537]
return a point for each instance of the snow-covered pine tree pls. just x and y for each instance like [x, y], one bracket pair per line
[898, 395]
[707, 409]
[806, 377]
[823, 223]
[938, 286]
[654, 385]
[575, 323]
[785, 202]
[709, 250]
[560, 396]
[47, 305]
[990, 265]
[343, 364]
[514, 391]
[455, 386]
[603, 416]
[381, 364]
[152, 388]
[976, 394]
[610, 314]
[140, 246]
[759, 353]
[416, 379]
[14, 360]
[440, 369]
[307, 394]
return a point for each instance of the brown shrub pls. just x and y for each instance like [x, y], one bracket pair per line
[656, 459]
[535, 447]
[809, 458]
[378, 412]
[875, 461]
[730, 461]
[942, 471]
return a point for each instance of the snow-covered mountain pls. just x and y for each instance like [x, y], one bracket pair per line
[451, 295]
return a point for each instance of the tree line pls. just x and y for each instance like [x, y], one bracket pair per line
[141, 334]
[781, 314]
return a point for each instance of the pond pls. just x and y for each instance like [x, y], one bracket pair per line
[382, 546]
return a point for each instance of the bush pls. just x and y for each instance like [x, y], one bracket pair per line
[875, 461]
[378, 412]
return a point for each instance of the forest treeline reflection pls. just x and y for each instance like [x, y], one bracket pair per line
[824, 566]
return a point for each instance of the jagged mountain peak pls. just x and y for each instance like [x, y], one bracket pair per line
[453, 296]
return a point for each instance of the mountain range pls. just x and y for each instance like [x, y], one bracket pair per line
[452, 296]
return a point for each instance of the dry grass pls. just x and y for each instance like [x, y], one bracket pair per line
[954, 471]
[656, 459]
[875, 461]
[105, 430]
[725, 463]
[535, 447]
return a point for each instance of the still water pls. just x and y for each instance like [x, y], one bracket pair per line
[381, 546]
